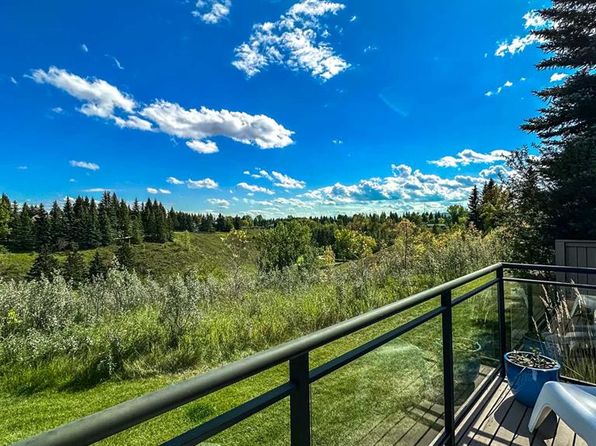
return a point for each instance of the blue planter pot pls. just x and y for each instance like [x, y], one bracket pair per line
[526, 382]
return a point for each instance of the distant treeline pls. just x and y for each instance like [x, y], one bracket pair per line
[84, 223]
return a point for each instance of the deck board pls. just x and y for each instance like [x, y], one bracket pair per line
[501, 421]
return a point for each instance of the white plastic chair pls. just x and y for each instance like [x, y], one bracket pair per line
[574, 404]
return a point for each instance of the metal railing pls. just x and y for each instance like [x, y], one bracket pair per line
[131, 413]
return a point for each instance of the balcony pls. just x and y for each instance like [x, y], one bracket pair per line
[422, 342]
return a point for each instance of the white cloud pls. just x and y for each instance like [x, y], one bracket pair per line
[84, 48]
[155, 191]
[517, 45]
[58, 110]
[494, 171]
[556, 77]
[507, 84]
[286, 182]
[202, 146]
[22, 167]
[469, 156]
[99, 97]
[294, 41]
[406, 184]
[133, 122]
[337, 142]
[254, 188]
[104, 100]
[116, 62]
[533, 19]
[84, 165]
[206, 183]
[212, 11]
[219, 202]
[174, 180]
[13, 80]
[97, 190]
[197, 125]
[353, 18]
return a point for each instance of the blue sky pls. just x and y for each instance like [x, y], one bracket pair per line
[264, 106]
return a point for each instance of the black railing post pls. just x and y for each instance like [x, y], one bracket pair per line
[300, 401]
[448, 380]
[502, 327]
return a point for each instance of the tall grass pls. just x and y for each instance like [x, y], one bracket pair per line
[57, 335]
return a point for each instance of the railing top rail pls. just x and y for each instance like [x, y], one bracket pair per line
[550, 268]
[117, 418]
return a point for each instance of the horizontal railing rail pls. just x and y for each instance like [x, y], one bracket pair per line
[113, 420]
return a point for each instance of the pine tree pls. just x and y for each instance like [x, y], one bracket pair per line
[74, 269]
[125, 256]
[554, 194]
[45, 265]
[474, 208]
[5, 218]
[57, 228]
[98, 267]
[42, 228]
[570, 40]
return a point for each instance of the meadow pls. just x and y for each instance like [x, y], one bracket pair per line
[70, 349]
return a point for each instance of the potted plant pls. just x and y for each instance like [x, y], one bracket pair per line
[527, 372]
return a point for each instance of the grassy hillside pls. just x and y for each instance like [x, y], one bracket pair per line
[205, 252]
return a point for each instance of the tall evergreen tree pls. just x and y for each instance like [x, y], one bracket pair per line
[42, 228]
[474, 208]
[564, 175]
[45, 265]
[74, 269]
[5, 218]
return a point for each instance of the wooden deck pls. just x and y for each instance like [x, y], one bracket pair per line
[497, 419]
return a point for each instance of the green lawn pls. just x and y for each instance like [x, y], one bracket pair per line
[204, 252]
[345, 404]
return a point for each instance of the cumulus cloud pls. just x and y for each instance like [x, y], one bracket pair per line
[174, 180]
[469, 156]
[495, 171]
[202, 146]
[277, 178]
[219, 202]
[206, 183]
[254, 188]
[152, 190]
[84, 48]
[99, 97]
[295, 41]
[84, 165]
[287, 182]
[13, 80]
[557, 77]
[197, 126]
[405, 184]
[133, 122]
[212, 11]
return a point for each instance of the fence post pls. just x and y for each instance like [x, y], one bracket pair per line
[448, 381]
[502, 326]
[300, 401]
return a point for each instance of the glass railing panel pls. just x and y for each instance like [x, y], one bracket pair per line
[475, 342]
[393, 395]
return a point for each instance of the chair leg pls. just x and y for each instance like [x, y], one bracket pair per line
[539, 414]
